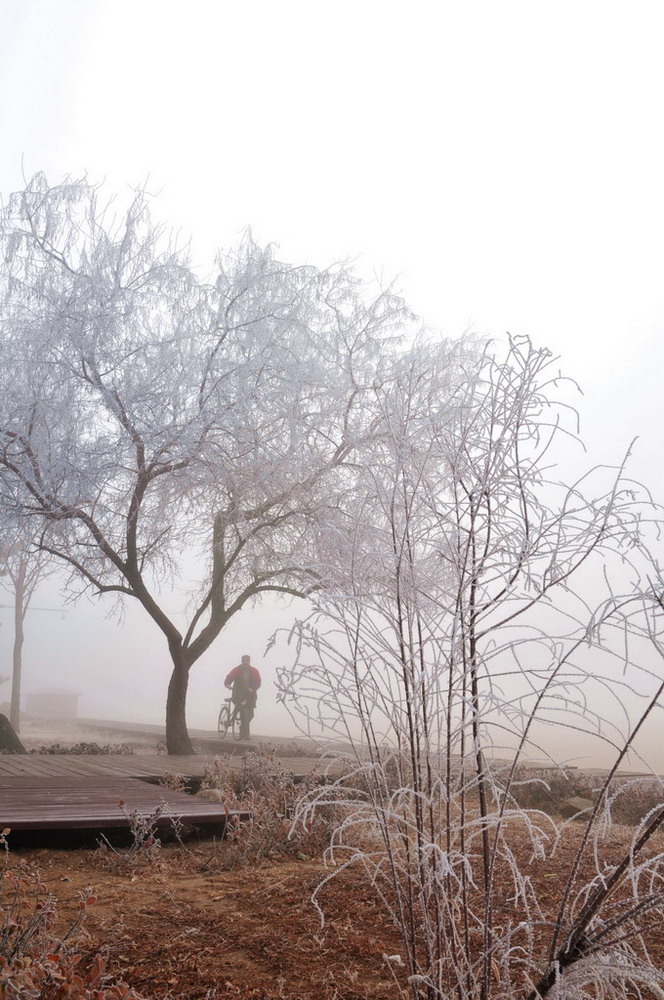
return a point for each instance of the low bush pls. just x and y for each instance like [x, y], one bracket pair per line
[84, 748]
[548, 788]
[262, 787]
[175, 782]
[147, 831]
[630, 801]
[286, 748]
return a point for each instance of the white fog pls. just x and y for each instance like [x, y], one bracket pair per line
[526, 198]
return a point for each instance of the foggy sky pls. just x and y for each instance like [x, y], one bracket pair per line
[503, 161]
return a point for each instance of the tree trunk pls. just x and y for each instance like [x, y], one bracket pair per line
[19, 615]
[177, 737]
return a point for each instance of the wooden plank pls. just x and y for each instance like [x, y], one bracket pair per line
[135, 765]
[85, 803]
[47, 781]
[138, 765]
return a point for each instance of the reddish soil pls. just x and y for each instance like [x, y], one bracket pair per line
[178, 929]
[182, 927]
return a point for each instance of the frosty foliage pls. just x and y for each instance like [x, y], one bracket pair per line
[472, 606]
[146, 414]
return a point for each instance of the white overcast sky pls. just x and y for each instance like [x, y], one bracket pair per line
[504, 161]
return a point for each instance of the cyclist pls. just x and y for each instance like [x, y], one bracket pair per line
[244, 681]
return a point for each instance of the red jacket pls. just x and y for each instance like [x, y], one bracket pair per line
[254, 679]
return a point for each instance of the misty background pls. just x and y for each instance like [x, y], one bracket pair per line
[503, 163]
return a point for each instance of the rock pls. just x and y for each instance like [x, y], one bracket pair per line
[574, 805]
[9, 741]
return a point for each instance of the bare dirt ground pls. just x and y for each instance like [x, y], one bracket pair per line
[181, 926]
[180, 929]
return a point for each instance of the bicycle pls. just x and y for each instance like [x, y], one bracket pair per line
[229, 718]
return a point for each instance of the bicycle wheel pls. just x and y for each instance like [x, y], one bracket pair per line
[224, 720]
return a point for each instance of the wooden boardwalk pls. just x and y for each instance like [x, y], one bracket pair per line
[96, 791]
[145, 766]
[83, 803]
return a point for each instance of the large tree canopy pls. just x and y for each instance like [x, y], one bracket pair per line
[146, 414]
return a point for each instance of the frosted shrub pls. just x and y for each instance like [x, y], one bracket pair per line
[84, 748]
[632, 801]
[473, 606]
[262, 787]
[548, 788]
[147, 831]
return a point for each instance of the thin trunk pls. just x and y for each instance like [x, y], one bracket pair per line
[177, 736]
[19, 615]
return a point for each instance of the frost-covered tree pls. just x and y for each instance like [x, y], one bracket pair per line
[146, 415]
[478, 615]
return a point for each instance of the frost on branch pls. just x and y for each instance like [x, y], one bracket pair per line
[148, 417]
[479, 616]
